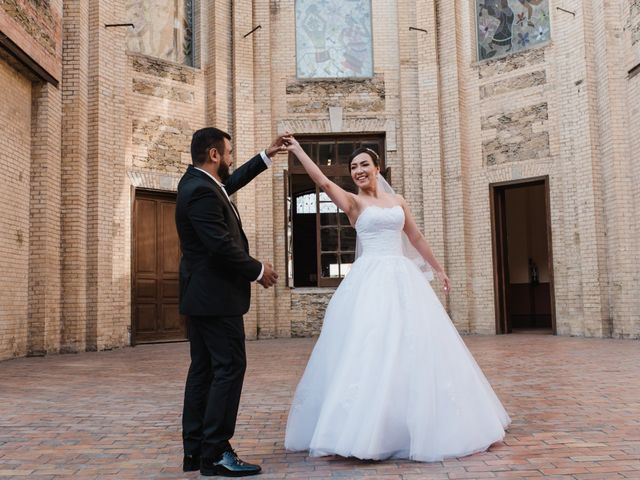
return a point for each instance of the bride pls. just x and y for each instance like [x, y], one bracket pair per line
[389, 376]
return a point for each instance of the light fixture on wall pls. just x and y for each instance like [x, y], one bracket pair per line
[256, 28]
[566, 11]
[111, 25]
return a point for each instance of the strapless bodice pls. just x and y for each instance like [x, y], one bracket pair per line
[379, 230]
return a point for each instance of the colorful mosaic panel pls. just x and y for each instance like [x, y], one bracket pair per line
[333, 38]
[509, 26]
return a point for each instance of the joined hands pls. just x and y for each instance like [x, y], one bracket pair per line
[279, 145]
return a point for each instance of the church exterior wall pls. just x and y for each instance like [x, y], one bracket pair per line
[15, 142]
[567, 109]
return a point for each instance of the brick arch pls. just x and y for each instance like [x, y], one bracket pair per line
[154, 181]
[368, 125]
[517, 171]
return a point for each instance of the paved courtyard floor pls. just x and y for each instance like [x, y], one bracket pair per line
[575, 405]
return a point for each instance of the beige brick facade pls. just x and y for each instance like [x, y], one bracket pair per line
[109, 122]
[15, 141]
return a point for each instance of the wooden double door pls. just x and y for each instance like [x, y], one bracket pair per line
[156, 258]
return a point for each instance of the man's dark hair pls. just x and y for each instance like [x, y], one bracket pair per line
[374, 156]
[204, 140]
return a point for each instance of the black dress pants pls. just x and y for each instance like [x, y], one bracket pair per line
[214, 384]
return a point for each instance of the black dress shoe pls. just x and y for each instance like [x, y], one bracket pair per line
[191, 463]
[227, 465]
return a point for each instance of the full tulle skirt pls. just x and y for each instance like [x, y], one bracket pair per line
[390, 377]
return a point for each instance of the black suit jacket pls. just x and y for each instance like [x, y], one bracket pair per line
[216, 269]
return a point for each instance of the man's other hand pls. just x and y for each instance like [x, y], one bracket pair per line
[269, 277]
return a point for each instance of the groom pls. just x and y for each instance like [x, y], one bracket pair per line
[216, 272]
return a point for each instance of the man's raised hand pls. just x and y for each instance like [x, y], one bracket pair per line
[278, 145]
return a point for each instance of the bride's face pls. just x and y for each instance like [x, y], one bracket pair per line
[364, 171]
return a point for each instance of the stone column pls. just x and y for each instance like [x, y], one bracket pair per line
[455, 179]
[44, 236]
[105, 311]
[269, 185]
[217, 63]
[75, 106]
[244, 128]
[615, 156]
[430, 131]
[580, 263]
[410, 129]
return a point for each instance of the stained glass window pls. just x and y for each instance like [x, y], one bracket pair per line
[509, 26]
[162, 28]
[333, 38]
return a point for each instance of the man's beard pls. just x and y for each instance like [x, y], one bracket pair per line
[223, 172]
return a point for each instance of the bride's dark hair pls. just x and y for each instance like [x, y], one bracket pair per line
[374, 156]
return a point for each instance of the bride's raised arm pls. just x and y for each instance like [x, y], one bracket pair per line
[345, 201]
[420, 243]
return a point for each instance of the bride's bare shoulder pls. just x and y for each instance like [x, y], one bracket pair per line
[399, 198]
[389, 199]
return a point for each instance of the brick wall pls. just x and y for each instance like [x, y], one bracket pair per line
[566, 110]
[15, 144]
[462, 125]
[165, 104]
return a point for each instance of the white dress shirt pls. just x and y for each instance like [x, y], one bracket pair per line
[268, 162]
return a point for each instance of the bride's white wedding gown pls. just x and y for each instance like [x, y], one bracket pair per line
[389, 376]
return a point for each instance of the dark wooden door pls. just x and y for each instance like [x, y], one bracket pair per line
[156, 257]
[501, 255]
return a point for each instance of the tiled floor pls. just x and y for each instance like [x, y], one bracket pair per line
[575, 405]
